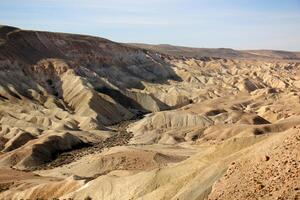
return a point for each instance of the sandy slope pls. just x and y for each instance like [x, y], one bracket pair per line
[87, 118]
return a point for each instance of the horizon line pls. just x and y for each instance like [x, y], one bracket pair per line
[151, 43]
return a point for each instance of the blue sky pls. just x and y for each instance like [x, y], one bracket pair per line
[239, 24]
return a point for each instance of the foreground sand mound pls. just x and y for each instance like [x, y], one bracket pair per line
[272, 173]
[190, 179]
[43, 189]
[118, 159]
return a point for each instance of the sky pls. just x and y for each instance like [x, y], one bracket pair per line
[238, 24]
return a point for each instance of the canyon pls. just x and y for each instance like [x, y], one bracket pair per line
[83, 117]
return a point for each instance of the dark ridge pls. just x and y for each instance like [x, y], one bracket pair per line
[4, 30]
[120, 98]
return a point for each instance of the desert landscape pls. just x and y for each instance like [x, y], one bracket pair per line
[83, 118]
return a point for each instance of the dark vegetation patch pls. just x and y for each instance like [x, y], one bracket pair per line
[120, 138]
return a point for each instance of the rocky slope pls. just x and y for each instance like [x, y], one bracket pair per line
[83, 117]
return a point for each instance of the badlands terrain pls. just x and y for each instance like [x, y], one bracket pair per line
[83, 117]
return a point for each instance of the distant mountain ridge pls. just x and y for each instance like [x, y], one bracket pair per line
[219, 52]
[194, 52]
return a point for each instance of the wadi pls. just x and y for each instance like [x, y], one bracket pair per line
[83, 117]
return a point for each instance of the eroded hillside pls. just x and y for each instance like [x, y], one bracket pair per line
[83, 117]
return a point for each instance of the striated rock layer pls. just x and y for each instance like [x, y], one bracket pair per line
[83, 117]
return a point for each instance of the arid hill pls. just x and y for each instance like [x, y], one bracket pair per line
[83, 117]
